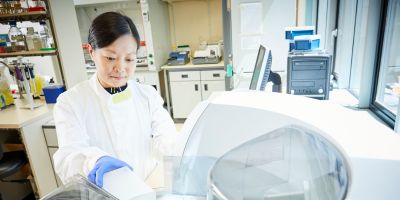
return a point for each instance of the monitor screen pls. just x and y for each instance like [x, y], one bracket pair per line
[261, 70]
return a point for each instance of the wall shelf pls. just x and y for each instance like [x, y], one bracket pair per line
[29, 53]
[27, 16]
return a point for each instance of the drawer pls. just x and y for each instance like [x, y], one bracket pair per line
[212, 75]
[184, 76]
[51, 137]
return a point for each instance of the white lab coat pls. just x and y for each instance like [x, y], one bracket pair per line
[89, 125]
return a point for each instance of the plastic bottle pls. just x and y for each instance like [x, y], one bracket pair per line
[30, 38]
[46, 37]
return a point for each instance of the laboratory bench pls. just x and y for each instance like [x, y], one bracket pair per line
[28, 123]
[187, 85]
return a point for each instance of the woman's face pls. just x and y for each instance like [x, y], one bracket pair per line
[116, 62]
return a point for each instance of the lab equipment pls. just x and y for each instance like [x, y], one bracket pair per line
[184, 47]
[79, 188]
[261, 74]
[36, 5]
[209, 54]
[292, 32]
[11, 7]
[52, 92]
[103, 165]
[29, 39]
[291, 162]
[126, 185]
[46, 37]
[120, 184]
[307, 42]
[277, 146]
[141, 58]
[261, 70]
[6, 97]
[308, 74]
[3, 43]
[178, 58]
[16, 38]
[25, 79]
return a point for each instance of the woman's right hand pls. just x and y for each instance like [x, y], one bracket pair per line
[103, 165]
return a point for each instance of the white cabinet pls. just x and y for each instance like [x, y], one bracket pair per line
[188, 88]
[184, 96]
[209, 87]
[211, 81]
[50, 135]
[52, 151]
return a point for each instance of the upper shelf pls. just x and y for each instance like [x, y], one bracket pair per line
[27, 16]
[29, 53]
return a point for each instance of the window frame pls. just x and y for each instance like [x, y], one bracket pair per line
[382, 112]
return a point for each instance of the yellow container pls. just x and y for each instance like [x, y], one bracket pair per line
[6, 93]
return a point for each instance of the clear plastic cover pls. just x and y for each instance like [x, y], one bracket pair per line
[79, 189]
[253, 159]
[288, 163]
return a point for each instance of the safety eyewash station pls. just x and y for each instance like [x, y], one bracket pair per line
[199, 99]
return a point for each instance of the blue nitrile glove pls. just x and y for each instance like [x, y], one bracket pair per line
[103, 165]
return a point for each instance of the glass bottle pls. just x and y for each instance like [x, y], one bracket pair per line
[45, 35]
[16, 37]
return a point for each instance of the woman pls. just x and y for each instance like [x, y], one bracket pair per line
[110, 121]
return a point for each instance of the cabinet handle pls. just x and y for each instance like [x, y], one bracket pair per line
[205, 87]
[184, 76]
[196, 87]
[216, 75]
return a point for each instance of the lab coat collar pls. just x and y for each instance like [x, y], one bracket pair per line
[103, 95]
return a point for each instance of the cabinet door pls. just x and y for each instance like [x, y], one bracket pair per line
[209, 87]
[185, 95]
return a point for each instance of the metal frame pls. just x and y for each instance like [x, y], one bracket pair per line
[378, 109]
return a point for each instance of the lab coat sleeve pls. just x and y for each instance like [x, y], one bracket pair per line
[163, 128]
[75, 155]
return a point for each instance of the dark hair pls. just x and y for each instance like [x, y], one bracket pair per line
[108, 27]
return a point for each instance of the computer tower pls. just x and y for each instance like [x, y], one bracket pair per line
[308, 74]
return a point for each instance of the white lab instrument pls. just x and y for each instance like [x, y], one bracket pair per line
[258, 145]
[304, 148]
[132, 126]
[126, 185]
[208, 54]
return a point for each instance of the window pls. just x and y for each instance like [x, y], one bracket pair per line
[388, 70]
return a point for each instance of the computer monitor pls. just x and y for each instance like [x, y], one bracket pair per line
[262, 69]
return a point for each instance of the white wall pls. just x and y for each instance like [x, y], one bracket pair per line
[276, 15]
[87, 13]
[68, 40]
